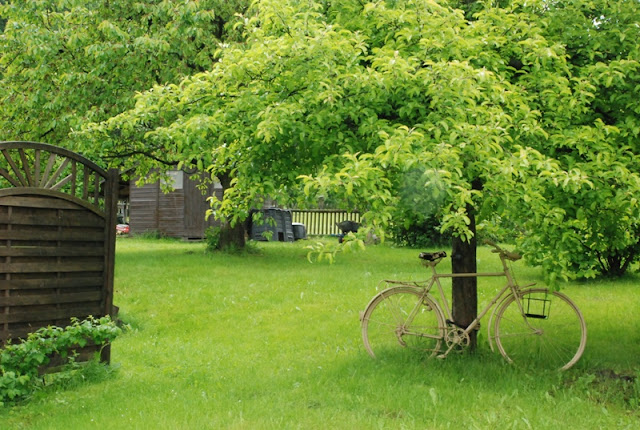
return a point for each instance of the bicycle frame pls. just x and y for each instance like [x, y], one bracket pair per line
[435, 278]
[511, 286]
[521, 324]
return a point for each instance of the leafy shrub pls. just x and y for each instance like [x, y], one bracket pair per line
[212, 238]
[20, 363]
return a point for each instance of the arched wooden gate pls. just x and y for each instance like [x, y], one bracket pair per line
[57, 238]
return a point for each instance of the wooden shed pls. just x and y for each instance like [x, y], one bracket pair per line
[179, 213]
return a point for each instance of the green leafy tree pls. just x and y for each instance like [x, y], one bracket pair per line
[3, 21]
[357, 98]
[468, 99]
[66, 63]
[592, 226]
[473, 104]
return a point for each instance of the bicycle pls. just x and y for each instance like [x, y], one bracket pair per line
[527, 322]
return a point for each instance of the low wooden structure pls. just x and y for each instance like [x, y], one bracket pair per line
[57, 238]
[179, 213]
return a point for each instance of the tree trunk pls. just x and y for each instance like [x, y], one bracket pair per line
[231, 236]
[465, 290]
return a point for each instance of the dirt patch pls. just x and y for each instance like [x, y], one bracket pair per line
[606, 386]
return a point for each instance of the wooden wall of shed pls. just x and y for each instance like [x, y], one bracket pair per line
[180, 213]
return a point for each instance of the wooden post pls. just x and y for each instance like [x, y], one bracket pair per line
[111, 190]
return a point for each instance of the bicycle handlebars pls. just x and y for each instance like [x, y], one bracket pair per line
[509, 255]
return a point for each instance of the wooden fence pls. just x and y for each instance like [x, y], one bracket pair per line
[322, 222]
[57, 238]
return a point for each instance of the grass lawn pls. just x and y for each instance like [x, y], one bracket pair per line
[270, 341]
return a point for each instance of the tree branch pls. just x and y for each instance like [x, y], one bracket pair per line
[143, 153]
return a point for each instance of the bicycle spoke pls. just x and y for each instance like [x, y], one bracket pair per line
[400, 316]
[556, 338]
[536, 324]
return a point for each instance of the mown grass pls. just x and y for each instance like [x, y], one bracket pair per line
[270, 341]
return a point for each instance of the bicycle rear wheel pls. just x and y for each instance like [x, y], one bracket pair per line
[552, 332]
[402, 317]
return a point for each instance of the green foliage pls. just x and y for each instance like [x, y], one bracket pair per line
[581, 189]
[215, 243]
[153, 234]
[420, 233]
[609, 387]
[20, 363]
[212, 238]
[71, 62]
[327, 251]
[516, 110]
[415, 221]
[270, 341]
[450, 113]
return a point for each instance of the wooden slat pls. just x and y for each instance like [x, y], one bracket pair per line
[37, 165]
[54, 314]
[51, 267]
[85, 183]
[49, 282]
[15, 168]
[15, 333]
[111, 214]
[56, 362]
[51, 251]
[66, 219]
[96, 189]
[47, 170]
[25, 165]
[64, 181]
[74, 173]
[50, 299]
[5, 174]
[38, 202]
[52, 180]
[64, 236]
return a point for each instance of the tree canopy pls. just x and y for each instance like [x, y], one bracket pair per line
[591, 227]
[485, 114]
[515, 111]
[65, 63]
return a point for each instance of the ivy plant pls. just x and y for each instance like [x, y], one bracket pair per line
[21, 363]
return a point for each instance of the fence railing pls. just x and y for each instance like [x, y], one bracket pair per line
[322, 222]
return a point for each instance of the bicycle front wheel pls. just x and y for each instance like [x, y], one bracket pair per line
[542, 325]
[402, 317]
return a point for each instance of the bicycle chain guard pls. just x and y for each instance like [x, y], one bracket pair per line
[458, 338]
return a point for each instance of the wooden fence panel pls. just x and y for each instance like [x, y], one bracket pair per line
[57, 238]
[323, 222]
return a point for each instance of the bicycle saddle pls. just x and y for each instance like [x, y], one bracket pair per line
[432, 256]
